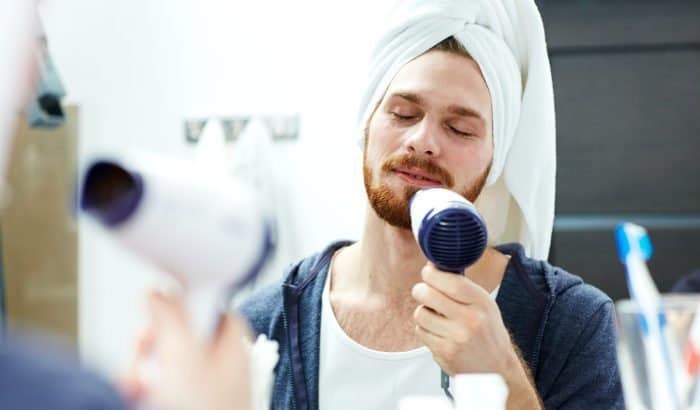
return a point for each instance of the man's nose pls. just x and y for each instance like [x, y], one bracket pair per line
[424, 140]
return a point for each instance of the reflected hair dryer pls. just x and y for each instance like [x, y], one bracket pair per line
[206, 229]
[450, 232]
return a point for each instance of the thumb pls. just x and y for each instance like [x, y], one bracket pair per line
[131, 384]
[168, 314]
[234, 330]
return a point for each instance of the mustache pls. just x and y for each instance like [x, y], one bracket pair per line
[426, 165]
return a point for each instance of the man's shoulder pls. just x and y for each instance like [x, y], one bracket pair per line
[575, 306]
[575, 360]
[572, 292]
[577, 292]
[264, 306]
[39, 376]
[565, 288]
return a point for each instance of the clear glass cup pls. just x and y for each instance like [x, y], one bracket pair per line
[641, 379]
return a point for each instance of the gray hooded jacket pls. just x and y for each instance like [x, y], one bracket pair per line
[564, 328]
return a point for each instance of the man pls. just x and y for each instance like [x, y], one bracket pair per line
[459, 96]
[193, 375]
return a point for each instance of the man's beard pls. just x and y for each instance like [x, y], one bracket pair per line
[394, 208]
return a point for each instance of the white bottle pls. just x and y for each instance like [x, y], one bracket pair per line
[482, 391]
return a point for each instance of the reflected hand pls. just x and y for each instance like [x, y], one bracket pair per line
[193, 374]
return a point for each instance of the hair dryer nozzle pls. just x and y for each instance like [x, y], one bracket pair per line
[448, 228]
[110, 193]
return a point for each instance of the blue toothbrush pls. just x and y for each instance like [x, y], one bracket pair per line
[634, 247]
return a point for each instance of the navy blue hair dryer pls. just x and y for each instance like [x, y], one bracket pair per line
[450, 232]
[448, 228]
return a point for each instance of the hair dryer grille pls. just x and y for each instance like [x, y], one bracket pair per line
[448, 228]
[453, 239]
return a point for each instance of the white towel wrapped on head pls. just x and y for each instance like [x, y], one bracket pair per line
[506, 39]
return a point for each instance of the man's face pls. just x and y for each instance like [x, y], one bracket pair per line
[432, 128]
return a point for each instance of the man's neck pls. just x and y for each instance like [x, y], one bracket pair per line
[387, 262]
[371, 282]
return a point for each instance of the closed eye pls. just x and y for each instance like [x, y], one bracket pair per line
[463, 133]
[402, 117]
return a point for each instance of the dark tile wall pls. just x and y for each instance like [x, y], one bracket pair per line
[627, 87]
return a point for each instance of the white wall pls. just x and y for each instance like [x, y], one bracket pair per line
[138, 68]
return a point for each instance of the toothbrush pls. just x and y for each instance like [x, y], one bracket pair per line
[634, 247]
[692, 360]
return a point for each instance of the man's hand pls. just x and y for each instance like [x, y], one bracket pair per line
[192, 373]
[462, 326]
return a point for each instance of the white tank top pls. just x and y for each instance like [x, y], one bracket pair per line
[352, 376]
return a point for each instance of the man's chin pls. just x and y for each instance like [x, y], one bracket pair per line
[390, 200]
[392, 207]
[396, 219]
[402, 191]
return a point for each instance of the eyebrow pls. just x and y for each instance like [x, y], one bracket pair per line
[453, 109]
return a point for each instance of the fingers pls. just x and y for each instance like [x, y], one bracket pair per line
[131, 389]
[232, 332]
[131, 384]
[144, 343]
[429, 339]
[170, 353]
[432, 298]
[456, 287]
[168, 313]
[434, 343]
[432, 322]
[172, 324]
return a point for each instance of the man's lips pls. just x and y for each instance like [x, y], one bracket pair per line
[416, 176]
